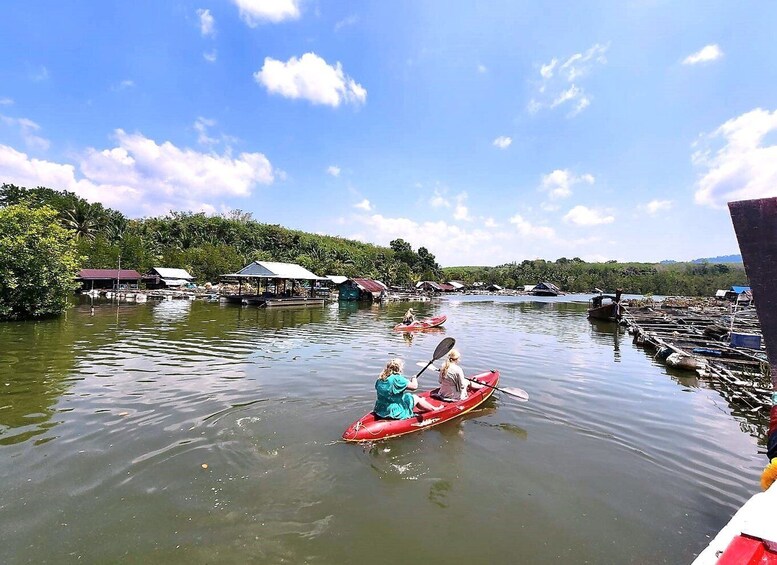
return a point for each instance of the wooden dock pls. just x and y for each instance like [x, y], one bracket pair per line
[272, 301]
[695, 335]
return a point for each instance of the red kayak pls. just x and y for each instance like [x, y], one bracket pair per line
[372, 428]
[424, 324]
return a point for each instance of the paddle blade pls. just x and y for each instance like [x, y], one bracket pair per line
[517, 393]
[443, 348]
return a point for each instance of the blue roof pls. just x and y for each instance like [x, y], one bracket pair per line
[740, 289]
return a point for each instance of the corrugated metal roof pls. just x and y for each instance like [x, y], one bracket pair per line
[370, 285]
[273, 270]
[740, 289]
[337, 279]
[434, 285]
[168, 273]
[107, 274]
[547, 285]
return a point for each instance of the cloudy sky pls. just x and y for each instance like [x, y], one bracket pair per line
[487, 132]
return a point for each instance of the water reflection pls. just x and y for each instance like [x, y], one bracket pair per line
[106, 422]
[170, 312]
[35, 372]
[605, 331]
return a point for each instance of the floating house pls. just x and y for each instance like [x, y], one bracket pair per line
[494, 288]
[457, 285]
[336, 280]
[107, 279]
[163, 277]
[277, 284]
[431, 286]
[545, 289]
[362, 289]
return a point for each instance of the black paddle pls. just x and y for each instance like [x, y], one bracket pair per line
[517, 393]
[441, 350]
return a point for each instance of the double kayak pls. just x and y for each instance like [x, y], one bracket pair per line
[424, 324]
[371, 428]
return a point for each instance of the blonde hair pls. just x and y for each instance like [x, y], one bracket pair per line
[393, 367]
[453, 357]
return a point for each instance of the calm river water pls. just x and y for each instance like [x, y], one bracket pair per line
[192, 432]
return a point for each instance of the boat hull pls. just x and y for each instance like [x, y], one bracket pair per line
[371, 428]
[425, 324]
[609, 312]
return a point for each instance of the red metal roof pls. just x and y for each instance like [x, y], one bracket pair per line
[103, 274]
[370, 285]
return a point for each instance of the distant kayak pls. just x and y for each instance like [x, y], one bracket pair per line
[372, 428]
[421, 324]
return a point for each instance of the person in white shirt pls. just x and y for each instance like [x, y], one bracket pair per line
[453, 385]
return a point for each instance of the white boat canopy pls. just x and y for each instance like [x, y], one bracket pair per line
[175, 282]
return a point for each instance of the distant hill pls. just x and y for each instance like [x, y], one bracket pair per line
[719, 259]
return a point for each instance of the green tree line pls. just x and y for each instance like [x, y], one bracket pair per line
[575, 275]
[210, 246]
[89, 235]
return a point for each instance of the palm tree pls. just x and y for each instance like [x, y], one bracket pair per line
[81, 219]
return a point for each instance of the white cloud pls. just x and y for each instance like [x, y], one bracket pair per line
[27, 129]
[333, 170]
[451, 243]
[584, 216]
[482, 69]
[438, 200]
[460, 211]
[123, 85]
[210, 56]
[6, 101]
[141, 177]
[526, 229]
[254, 12]
[347, 22]
[559, 183]
[490, 223]
[310, 78]
[655, 206]
[39, 75]
[743, 168]
[20, 169]
[201, 125]
[503, 142]
[559, 83]
[207, 23]
[706, 54]
[364, 205]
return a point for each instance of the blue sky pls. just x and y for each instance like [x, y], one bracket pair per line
[488, 132]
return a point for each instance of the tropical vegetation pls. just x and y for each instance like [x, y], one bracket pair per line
[209, 246]
[575, 275]
[89, 235]
[38, 263]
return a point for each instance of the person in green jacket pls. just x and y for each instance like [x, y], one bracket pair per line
[393, 400]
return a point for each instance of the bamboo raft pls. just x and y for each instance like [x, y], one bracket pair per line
[694, 334]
